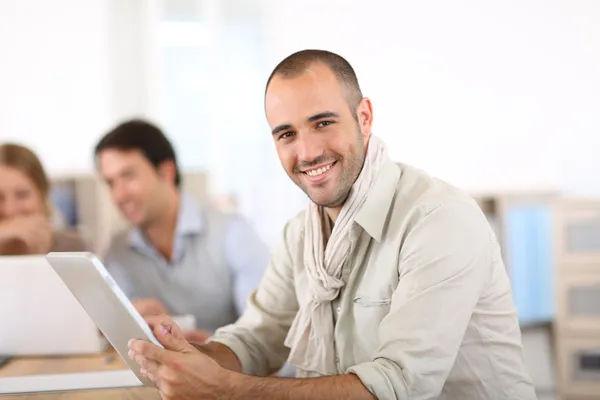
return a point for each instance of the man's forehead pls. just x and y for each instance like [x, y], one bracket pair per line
[314, 76]
[114, 160]
[302, 96]
[121, 154]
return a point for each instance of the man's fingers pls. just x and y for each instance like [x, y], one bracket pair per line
[168, 379]
[158, 321]
[196, 336]
[151, 367]
[148, 350]
[155, 321]
[170, 341]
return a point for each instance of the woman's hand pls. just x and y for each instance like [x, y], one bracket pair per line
[30, 234]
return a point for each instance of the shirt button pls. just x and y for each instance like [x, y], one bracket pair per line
[338, 310]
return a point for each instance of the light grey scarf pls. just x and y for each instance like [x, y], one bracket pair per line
[311, 335]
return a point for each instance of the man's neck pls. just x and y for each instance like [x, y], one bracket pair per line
[327, 223]
[161, 232]
[333, 213]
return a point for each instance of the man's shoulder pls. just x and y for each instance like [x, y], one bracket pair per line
[423, 192]
[213, 211]
[293, 231]
[421, 195]
[295, 225]
[120, 244]
[216, 220]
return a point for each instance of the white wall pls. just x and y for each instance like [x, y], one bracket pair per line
[485, 94]
[128, 33]
[54, 77]
[488, 95]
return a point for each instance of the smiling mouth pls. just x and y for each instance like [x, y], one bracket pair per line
[128, 209]
[319, 171]
[318, 174]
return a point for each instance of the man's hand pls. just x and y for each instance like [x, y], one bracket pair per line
[197, 336]
[179, 371]
[149, 306]
[32, 234]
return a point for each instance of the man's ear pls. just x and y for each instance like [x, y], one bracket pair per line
[364, 113]
[167, 170]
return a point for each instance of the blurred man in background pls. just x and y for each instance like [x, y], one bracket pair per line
[179, 257]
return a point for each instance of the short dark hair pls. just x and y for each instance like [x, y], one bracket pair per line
[137, 134]
[297, 63]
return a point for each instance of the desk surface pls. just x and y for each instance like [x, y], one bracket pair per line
[33, 366]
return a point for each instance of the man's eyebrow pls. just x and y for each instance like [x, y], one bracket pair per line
[312, 118]
[127, 170]
[281, 128]
[325, 114]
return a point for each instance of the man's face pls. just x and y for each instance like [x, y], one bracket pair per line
[136, 187]
[319, 141]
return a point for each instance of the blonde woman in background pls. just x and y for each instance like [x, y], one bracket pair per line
[25, 212]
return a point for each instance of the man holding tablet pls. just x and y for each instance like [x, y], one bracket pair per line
[390, 285]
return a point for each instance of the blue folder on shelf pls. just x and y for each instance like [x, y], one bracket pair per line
[530, 259]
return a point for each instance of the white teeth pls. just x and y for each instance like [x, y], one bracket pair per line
[318, 171]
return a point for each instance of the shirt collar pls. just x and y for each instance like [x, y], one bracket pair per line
[374, 211]
[190, 221]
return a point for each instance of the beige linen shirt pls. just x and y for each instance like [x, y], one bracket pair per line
[426, 312]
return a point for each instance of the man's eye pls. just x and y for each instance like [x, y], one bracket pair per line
[286, 135]
[323, 124]
[128, 175]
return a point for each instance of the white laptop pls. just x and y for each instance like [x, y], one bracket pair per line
[39, 315]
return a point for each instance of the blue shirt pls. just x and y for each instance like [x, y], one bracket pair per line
[218, 260]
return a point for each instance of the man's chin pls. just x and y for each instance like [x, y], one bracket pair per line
[135, 220]
[325, 195]
[327, 201]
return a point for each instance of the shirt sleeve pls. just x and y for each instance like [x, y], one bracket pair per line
[444, 264]
[247, 256]
[257, 337]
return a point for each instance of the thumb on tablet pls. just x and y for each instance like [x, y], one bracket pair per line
[170, 341]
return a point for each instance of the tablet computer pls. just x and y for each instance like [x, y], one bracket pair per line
[88, 280]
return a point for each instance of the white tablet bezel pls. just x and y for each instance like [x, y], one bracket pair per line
[107, 305]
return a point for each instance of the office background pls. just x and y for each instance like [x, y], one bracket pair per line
[488, 95]
[494, 97]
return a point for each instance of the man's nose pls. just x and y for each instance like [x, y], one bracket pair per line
[309, 148]
[119, 193]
